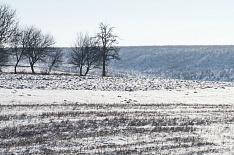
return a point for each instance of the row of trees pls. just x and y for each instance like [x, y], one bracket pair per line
[95, 52]
[30, 43]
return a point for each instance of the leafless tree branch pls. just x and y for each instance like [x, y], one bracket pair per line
[85, 53]
[107, 41]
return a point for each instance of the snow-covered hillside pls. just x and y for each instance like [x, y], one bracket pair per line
[214, 63]
[180, 62]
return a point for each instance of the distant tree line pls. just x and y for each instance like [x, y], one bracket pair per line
[31, 44]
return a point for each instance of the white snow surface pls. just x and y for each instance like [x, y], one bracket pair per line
[57, 114]
[188, 96]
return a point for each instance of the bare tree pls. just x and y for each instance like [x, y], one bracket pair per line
[107, 41]
[8, 25]
[85, 54]
[17, 45]
[36, 45]
[55, 58]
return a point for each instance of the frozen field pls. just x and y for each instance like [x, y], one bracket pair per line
[93, 115]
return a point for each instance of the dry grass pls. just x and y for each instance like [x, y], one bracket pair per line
[130, 128]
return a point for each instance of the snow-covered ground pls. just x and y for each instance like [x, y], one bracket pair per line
[54, 114]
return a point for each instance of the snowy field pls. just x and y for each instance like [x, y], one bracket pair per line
[93, 115]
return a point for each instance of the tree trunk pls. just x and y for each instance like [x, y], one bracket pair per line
[87, 70]
[104, 66]
[81, 70]
[31, 65]
[16, 67]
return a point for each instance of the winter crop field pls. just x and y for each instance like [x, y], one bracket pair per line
[58, 114]
[103, 91]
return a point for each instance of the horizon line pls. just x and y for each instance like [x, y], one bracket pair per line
[159, 45]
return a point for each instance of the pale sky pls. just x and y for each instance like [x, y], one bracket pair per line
[136, 22]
